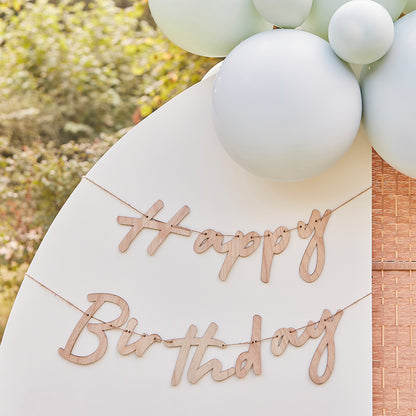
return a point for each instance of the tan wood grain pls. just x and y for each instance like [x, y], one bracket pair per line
[140, 346]
[148, 221]
[196, 371]
[241, 245]
[327, 343]
[315, 228]
[251, 359]
[98, 329]
[274, 243]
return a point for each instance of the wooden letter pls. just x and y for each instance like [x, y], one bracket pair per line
[196, 371]
[316, 226]
[241, 245]
[185, 345]
[137, 224]
[280, 341]
[148, 221]
[274, 243]
[140, 346]
[98, 329]
[252, 357]
[328, 325]
[327, 342]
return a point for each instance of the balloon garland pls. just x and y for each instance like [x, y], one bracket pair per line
[285, 104]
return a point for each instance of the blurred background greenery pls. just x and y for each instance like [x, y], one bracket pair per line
[74, 76]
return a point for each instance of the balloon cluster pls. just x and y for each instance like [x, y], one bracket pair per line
[286, 104]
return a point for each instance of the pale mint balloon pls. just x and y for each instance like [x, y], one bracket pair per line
[284, 13]
[207, 27]
[389, 91]
[284, 106]
[323, 10]
[410, 6]
[361, 32]
[320, 16]
[394, 7]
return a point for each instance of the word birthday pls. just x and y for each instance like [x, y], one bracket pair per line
[247, 361]
[239, 245]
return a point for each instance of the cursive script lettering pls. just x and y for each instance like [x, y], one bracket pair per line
[147, 221]
[196, 371]
[241, 245]
[98, 329]
[251, 359]
[327, 326]
[315, 226]
[246, 361]
[274, 243]
[140, 346]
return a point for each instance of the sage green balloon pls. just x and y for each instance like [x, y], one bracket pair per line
[369, 37]
[323, 10]
[320, 16]
[284, 13]
[410, 6]
[394, 7]
[388, 88]
[208, 27]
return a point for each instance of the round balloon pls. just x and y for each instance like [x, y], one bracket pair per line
[323, 10]
[320, 16]
[410, 6]
[389, 91]
[394, 7]
[284, 13]
[207, 27]
[361, 32]
[284, 106]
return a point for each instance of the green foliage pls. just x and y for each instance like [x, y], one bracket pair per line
[71, 73]
[34, 184]
[82, 68]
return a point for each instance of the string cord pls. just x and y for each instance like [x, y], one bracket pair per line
[169, 341]
[160, 339]
[202, 232]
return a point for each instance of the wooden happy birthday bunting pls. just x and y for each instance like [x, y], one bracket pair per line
[238, 245]
[246, 362]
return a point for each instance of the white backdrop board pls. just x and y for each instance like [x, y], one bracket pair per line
[174, 155]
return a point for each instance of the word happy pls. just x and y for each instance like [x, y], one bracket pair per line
[239, 245]
[246, 362]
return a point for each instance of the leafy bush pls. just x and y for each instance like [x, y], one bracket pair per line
[71, 73]
[81, 68]
[34, 184]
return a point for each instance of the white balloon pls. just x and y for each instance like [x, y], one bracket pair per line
[389, 91]
[207, 27]
[410, 6]
[361, 32]
[323, 10]
[284, 13]
[284, 106]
